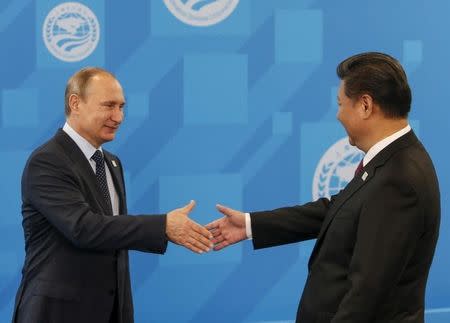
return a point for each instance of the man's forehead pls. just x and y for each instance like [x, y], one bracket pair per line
[103, 78]
[100, 84]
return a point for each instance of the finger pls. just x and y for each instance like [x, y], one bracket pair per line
[226, 210]
[202, 241]
[200, 230]
[221, 245]
[188, 207]
[193, 248]
[217, 240]
[213, 225]
[200, 244]
[216, 233]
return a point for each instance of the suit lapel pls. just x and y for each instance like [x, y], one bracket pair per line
[352, 187]
[82, 165]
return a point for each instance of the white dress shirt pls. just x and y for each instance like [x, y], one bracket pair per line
[89, 150]
[373, 151]
[379, 146]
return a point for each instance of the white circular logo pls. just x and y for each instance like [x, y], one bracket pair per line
[201, 12]
[336, 169]
[71, 31]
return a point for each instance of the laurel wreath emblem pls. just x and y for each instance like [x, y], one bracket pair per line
[323, 179]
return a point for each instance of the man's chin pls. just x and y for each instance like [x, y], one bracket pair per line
[109, 137]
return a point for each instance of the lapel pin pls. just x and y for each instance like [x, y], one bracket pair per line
[364, 176]
[114, 163]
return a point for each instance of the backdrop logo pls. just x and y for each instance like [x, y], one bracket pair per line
[71, 31]
[335, 169]
[201, 12]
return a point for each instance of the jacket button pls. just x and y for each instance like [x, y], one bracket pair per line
[111, 292]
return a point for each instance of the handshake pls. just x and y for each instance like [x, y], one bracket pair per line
[215, 235]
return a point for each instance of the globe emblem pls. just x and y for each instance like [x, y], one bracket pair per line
[201, 13]
[336, 169]
[71, 31]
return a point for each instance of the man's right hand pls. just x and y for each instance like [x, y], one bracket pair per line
[229, 229]
[183, 231]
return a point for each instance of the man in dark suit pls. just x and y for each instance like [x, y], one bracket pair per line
[375, 238]
[77, 232]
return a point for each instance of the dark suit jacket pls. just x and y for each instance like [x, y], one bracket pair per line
[375, 240]
[76, 261]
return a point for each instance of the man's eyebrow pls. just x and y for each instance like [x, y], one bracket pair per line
[113, 102]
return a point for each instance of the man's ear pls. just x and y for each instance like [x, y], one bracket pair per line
[74, 101]
[366, 106]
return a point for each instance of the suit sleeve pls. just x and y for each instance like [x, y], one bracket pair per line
[390, 225]
[50, 187]
[288, 224]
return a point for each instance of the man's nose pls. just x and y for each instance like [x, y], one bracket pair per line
[117, 115]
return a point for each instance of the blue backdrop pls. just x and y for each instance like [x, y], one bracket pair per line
[240, 110]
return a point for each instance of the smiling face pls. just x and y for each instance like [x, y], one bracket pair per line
[98, 115]
[349, 115]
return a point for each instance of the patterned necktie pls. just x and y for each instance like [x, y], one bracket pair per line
[359, 169]
[101, 176]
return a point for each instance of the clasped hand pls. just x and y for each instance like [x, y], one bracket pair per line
[229, 229]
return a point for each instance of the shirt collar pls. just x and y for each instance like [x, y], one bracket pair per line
[85, 146]
[379, 146]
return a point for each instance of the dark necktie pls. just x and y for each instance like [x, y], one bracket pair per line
[359, 168]
[101, 176]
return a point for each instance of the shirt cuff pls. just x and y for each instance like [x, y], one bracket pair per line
[248, 226]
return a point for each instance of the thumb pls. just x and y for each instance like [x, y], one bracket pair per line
[226, 210]
[188, 207]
